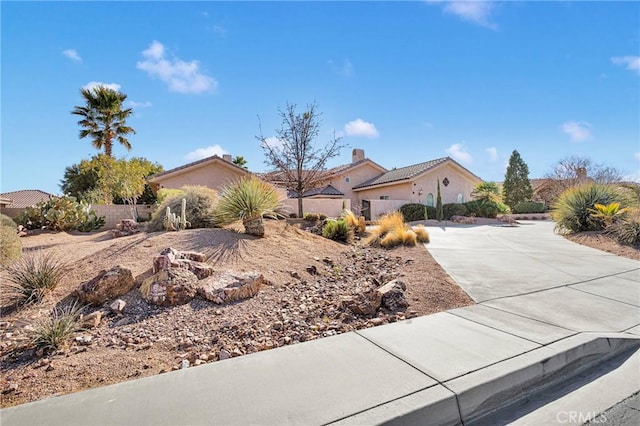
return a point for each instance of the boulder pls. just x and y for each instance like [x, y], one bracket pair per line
[229, 287]
[175, 286]
[107, 285]
[171, 258]
[124, 228]
[392, 295]
[366, 303]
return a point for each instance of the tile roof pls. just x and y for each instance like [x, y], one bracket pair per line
[327, 190]
[25, 198]
[404, 173]
[186, 166]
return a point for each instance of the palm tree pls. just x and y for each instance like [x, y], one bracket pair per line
[103, 118]
[240, 161]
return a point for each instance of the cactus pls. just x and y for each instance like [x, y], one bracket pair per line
[173, 222]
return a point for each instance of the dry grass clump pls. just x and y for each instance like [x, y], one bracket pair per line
[29, 279]
[55, 331]
[391, 231]
[354, 222]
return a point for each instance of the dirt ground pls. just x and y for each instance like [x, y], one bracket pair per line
[294, 307]
[600, 241]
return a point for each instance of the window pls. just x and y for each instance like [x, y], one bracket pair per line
[347, 179]
[384, 197]
[430, 199]
[460, 198]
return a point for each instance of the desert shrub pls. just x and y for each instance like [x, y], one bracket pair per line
[392, 231]
[61, 214]
[248, 199]
[453, 209]
[314, 217]
[55, 331]
[7, 221]
[10, 245]
[503, 208]
[573, 209]
[355, 223]
[166, 193]
[337, 230]
[529, 207]
[482, 208]
[627, 230]
[29, 279]
[201, 204]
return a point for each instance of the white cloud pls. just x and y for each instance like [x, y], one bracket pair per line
[632, 177]
[180, 76]
[93, 84]
[72, 54]
[458, 153]
[578, 131]
[636, 155]
[273, 142]
[201, 153]
[345, 69]
[632, 63]
[220, 30]
[134, 104]
[477, 12]
[493, 153]
[359, 127]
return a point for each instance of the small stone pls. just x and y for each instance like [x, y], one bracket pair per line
[91, 320]
[49, 368]
[312, 270]
[12, 387]
[199, 362]
[184, 364]
[117, 306]
[237, 352]
[277, 325]
[204, 357]
[376, 321]
[294, 274]
[224, 354]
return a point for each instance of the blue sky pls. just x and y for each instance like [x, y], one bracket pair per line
[405, 81]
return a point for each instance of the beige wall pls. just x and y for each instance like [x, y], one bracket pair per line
[460, 182]
[114, 213]
[213, 175]
[357, 175]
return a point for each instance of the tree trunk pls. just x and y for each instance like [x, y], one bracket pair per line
[300, 212]
[254, 226]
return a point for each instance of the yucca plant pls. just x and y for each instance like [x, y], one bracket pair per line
[248, 199]
[337, 230]
[627, 229]
[608, 213]
[573, 209]
[54, 332]
[29, 279]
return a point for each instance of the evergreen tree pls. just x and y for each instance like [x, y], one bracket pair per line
[439, 210]
[516, 186]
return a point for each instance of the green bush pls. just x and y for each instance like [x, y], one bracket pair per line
[453, 209]
[201, 204]
[61, 214]
[7, 221]
[414, 211]
[482, 208]
[503, 208]
[314, 217]
[55, 331]
[10, 245]
[573, 210]
[166, 193]
[337, 230]
[529, 207]
[32, 277]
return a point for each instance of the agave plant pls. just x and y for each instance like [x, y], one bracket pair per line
[608, 213]
[572, 211]
[248, 199]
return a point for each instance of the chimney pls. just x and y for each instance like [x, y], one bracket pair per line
[582, 173]
[227, 157]
[357, 155]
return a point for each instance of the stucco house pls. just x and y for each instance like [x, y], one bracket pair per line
[418, 183]
[15, 202]
[212, 172]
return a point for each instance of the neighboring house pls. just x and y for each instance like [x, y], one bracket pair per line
[15, 202]
[213, 172]
[418, 183]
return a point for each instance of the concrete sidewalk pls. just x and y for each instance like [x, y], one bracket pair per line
[549, 311]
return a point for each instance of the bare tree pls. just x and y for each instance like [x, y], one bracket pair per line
[299, 165]
[574, 170]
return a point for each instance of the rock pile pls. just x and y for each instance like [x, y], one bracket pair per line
[124, 228]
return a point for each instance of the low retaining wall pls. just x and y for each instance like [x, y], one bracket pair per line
[329, 207]
[114, 213]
